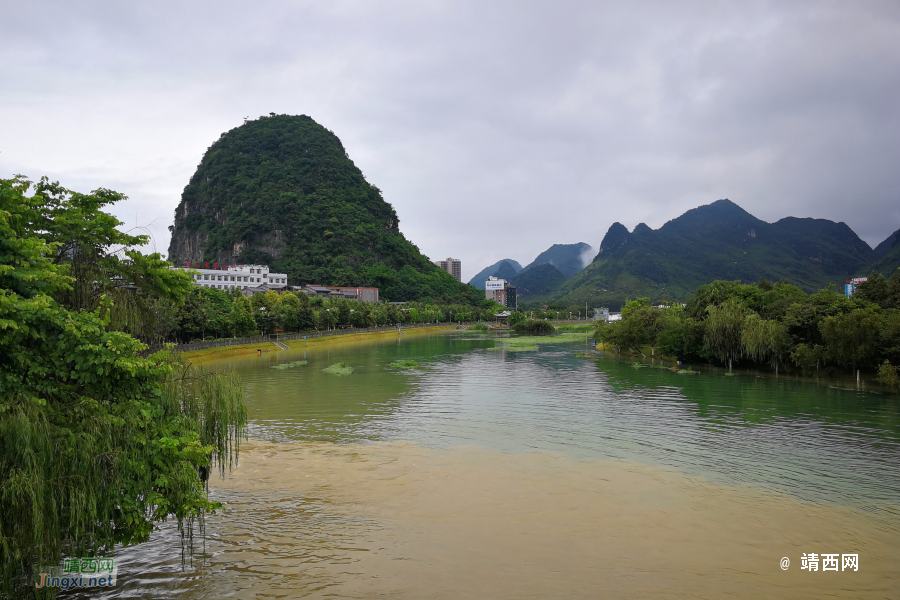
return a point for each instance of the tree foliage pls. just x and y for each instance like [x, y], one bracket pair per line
[97, 442]
[767, 324]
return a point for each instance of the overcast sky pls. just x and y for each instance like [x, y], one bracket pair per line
[496, 129]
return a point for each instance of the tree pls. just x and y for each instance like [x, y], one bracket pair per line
[724, 328]
[764, 340]
[516, 318]
[290, 304]
[241, 318]
[87, 243]
[874, 290]
[850, 338]
[97, 443]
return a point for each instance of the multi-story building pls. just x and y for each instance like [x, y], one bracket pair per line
[360, 294]
[452, 266]
[226, 277]
[501, 291]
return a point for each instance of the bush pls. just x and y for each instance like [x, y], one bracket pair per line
[535, 327]
[887, 374]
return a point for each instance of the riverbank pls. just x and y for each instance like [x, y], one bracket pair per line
[347, 339]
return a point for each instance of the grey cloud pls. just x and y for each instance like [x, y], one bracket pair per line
[496, 129]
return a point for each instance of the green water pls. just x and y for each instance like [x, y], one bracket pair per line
[806, 439]
[797, 436]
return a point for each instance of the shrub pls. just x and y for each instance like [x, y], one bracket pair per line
[887, 374]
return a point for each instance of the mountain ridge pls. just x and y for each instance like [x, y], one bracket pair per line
[719, 240]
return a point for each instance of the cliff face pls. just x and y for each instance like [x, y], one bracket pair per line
[282, 191]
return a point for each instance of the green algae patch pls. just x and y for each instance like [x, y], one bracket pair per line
[405, 364]
[289, 365]
[340, 368]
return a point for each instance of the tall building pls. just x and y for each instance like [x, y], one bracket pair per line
[452, 266]
[501, 291]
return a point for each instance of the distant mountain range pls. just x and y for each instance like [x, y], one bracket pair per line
[505, 269]
[542, 275]
[719, 241]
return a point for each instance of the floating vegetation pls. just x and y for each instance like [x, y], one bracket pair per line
[575, 328]
[529, 343]
[639, 366]
[515, 347]
[729, 374]
[405, 364]
[298, 363]
[340, 368]
[585, 355]
[688, 371]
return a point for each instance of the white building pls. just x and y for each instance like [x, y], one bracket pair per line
[236, 276]
[492, 286]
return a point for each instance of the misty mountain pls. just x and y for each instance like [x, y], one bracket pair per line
[569, 259]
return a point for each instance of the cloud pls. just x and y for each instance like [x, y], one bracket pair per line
[495, 129]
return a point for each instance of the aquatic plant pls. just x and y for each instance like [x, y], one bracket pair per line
[340, 368]
[405, 364]
[291, 365]
[585, 355]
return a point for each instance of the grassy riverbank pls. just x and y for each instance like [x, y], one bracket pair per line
[213, 354]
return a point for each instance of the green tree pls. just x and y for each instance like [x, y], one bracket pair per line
[874, 290]
[516, 318]
[764, 341]
[241, 318]
[851, 338]
[97, 443]
[724, 329]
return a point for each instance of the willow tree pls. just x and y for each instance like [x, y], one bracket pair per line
[98, 443]
[724, 329]
[765, 341]
[852, 337]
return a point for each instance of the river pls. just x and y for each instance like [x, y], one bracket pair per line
[479, 472]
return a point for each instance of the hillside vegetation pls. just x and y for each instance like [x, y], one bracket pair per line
[501, 269]
[716, 241]
[281, 190]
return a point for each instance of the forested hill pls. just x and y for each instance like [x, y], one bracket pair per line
[504, 269]
[716, 241]
[887, 255]
[281, 190]
[567, 258]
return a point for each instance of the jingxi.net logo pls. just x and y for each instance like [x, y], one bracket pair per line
[78, 572]
[811, 561]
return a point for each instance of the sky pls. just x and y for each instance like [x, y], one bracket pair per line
[495, 129]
